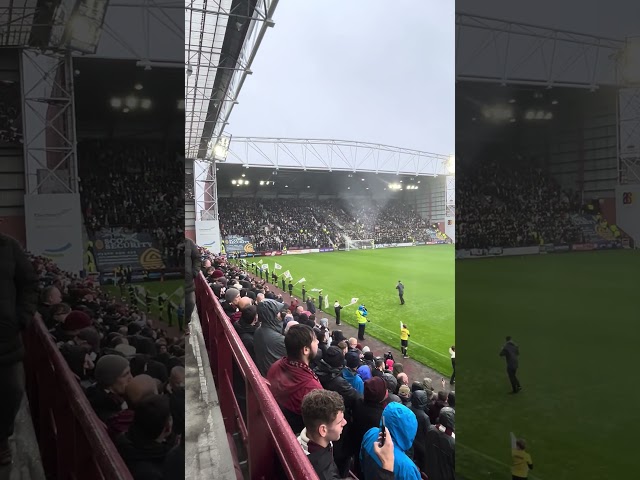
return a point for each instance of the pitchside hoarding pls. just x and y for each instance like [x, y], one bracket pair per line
[115, 247]
[236, 244]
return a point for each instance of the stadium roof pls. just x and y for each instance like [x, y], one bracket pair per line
[218, 59]
[339, 155]
[309, 183]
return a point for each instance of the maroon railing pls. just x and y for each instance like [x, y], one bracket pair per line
[74, 443]
[266, 434]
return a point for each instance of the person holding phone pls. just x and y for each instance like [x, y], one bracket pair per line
[383, 448]
[402, 426]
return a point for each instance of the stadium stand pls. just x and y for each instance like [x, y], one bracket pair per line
[140, 199]
[278, 223]
[10, 119]
[245, 325]
[117, 382]
[512, 208]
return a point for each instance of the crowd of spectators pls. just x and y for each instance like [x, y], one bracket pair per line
[136, 186]
[10, 128]
[131, 371]
[513, 205]
[299, 355]
[274, 224]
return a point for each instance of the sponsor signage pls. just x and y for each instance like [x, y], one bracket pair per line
[115, 247]
[236, 243]
[583, 247]
[53, 226]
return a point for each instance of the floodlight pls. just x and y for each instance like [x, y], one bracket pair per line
[82, 25]
[138, 86]
[233, 182]
[220, 149]
[116, 102]
[131, 101]
[145, 103]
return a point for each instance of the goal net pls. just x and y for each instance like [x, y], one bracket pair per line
[359, 244]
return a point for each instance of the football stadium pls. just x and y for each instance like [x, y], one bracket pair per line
[547, 231]
[91, 128]
[351, 241]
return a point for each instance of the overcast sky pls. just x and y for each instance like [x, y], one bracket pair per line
[367, 70]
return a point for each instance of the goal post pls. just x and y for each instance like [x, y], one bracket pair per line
[368, 244]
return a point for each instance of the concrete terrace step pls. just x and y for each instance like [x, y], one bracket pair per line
[208, 454]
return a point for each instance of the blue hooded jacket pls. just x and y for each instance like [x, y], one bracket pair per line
[354, 380]
[402, 425]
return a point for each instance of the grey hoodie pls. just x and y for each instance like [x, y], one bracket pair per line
[268, 340]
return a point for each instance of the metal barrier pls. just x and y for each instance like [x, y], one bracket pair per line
[266, 434]
[73, 442]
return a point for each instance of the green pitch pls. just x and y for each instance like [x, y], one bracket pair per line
[171, 288]
[427, 273]
[575, 317]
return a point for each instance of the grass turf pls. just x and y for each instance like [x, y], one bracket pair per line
[427, 273]
[168, 287]
[572, 316]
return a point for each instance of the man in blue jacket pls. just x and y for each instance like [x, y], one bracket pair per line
[402, 425]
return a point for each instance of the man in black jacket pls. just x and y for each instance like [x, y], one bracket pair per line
[323, 416]
[511, 352]
[143, 448]
[440, 447]
[18, 304]
[419, 406]
[192, 266]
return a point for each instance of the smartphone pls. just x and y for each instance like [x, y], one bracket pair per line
[383, 434]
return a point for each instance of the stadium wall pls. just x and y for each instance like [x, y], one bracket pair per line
[628, 210]
[12, 182]
[429, 200]
[12, 194]
[580, 150]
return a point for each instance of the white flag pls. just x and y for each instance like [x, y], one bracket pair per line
[315, 290]
[326, 301]
[353, 300]
[260, 262]
[277, 266]
[401, 324]
[287, 274]
[301, 280]
[265, 266]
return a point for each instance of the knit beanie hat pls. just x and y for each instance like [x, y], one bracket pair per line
[109, 368]
[334, 357]
[76, 320]
[353, 359]
[404, 391]
[375, 390]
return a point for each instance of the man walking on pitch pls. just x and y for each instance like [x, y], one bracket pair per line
[404, 339]
[400, 288]
[511, 352]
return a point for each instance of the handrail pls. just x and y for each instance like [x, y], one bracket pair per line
[64, 420]
[267, 429]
